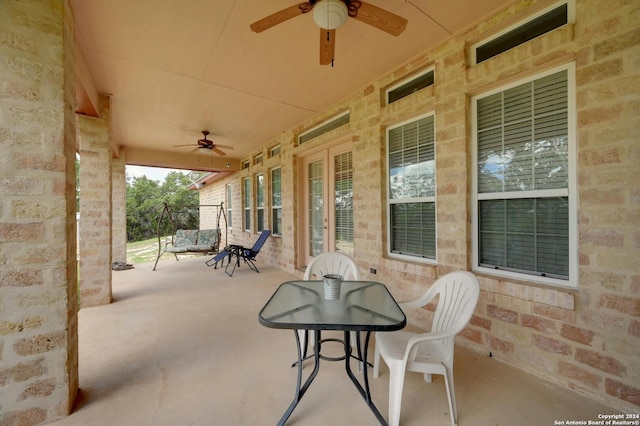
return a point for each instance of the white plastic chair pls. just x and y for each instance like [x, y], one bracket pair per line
[431, 352]
[330, 263]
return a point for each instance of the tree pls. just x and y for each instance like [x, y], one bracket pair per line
[143, 208]
[181, 200]
[145, 202]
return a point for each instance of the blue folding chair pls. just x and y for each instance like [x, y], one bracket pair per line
[248, 255]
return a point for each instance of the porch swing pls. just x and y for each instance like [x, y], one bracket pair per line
[188, 241]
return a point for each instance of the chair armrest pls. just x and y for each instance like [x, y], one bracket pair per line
[412, 345]
[419, 303]
[414, 304]
[425, 337]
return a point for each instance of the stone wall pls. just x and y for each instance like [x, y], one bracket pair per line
[209, 215]
[95, 228]
[118, 209]
[585, 339]
[38, 279]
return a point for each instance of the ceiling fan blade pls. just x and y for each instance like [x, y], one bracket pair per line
[327, 46]
[193, 150]
[281, 16]
[189, 144]
[377, 17]
[223, 146]
[217, 151]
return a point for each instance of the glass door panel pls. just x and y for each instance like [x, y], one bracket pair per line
[343, 201]
[315, 214]
[327, 203]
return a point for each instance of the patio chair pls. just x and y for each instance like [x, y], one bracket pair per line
[431, 352]
[247, 255]
[330, 263]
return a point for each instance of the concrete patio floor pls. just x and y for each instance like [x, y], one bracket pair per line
[183, 346]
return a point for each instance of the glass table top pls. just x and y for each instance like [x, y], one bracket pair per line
[362, 306]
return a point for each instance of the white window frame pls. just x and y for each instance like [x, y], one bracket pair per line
[571, 191]
[275, 150]
[258, 208]
[433, 199]
[273, 206]
[571, 18]
[229, 198]
[321, 124]
[246, 201]
[407, 80]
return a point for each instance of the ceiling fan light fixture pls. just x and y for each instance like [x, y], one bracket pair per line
[330, 14]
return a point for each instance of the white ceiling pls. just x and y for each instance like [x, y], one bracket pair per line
[175, 68]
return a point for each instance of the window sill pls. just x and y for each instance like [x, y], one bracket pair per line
[412, 259]
[548, 294]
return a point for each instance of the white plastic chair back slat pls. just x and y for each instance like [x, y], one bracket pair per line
[332, 263]
[455, 310]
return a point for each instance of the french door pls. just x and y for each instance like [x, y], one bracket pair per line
[327, 202]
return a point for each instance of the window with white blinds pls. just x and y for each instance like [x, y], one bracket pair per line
[343, 177]
[523, 204]
[259, 202]
[276, 201]
[247, 204]
[229, 197]
[412, 183]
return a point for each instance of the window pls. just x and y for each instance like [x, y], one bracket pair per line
[259, 159]
[247, 204]
[536, 26]
[260, 202]
[524, 207]
[274, 151]
[276, 201]
[343, 178]
[411, 194]
[228, 194]
[410, 85]
[325, 127]
[246, 164]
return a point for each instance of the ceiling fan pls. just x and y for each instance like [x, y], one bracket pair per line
[205, 145]
[329, 15]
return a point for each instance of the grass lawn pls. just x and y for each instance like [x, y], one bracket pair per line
[147, 251]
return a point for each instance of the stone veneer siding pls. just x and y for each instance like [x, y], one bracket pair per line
[119, 208]
[95, 208]
[587, 339]
[38, 280]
